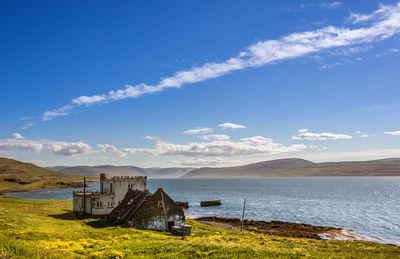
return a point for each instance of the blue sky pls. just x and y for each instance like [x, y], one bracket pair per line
[198, 83]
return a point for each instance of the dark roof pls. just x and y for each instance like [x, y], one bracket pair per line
[128, 206]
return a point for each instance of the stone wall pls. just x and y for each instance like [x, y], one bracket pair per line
[120, 185]
[102, 204]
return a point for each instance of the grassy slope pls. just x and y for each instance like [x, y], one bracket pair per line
[298, 167]
[33, 176]
[47, 228]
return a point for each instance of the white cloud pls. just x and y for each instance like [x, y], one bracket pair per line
[215, 137]
[36, 146]
[305, 135]
[364, 136]
[247, 146]
[384, 23]
[17, 136]
[393, 133]
[68, 148]
[88, 100]
[22, 144]
[111, 149]
[198, 130]
[229, 125]
[303, 130]
[152, 138]
[383, 13]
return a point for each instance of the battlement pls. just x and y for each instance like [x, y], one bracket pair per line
[119, 178]
[90, 193]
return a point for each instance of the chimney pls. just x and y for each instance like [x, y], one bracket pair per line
[102, 178]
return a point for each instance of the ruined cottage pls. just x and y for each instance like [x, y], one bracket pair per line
[112, 192]
[143, 210]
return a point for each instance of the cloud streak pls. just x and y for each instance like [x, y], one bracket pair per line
[393, 133]
[229, 125]
[383, 24]
[304, 134]
[198, 130]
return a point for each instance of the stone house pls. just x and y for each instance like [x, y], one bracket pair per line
[112, 191]
[143, 210]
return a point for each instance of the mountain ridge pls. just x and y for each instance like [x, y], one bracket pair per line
[295, 167]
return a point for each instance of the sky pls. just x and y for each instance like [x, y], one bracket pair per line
[198, 83]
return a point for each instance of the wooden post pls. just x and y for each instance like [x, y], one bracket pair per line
[244, 208]
[84, 195]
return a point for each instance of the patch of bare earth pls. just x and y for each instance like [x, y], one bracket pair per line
[279, 228]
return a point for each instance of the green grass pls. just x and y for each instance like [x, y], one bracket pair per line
[48, 229]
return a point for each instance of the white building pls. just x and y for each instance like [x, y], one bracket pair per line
[112, 191]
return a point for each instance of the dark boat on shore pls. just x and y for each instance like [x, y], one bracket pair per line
[210, 203]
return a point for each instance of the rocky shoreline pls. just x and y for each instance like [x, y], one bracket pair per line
[280, 228]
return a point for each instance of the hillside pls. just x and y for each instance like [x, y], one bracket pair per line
[110, 170]
[16, 175]
[293, 167]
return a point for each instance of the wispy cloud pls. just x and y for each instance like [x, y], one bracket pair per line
[362, 135]
[321, 5]
[306, 135]
[152, 138]
[387, 52]
[215, 137]
[393, 133]
[229, 125]
[198, 130]
[384, 23]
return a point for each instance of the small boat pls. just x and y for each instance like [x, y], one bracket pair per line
[210, 203]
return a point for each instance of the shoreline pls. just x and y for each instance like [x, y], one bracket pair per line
[285, 229]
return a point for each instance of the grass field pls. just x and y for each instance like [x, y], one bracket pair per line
[48, 229]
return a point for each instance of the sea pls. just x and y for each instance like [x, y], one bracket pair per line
[368, 205]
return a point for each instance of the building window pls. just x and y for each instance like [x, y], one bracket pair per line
[110, 204]
[99, 205]
[111, 187]
[130, 186]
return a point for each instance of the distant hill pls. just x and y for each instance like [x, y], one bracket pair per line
[293, 167]
[16, 175]
[110, 170]
[170, 172]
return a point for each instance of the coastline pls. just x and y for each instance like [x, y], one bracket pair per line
[285, 229]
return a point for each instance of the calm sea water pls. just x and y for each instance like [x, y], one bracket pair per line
[368, 205]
